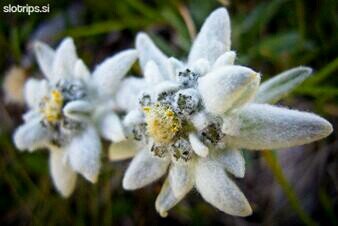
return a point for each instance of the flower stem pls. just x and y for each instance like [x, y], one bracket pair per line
[291, 195]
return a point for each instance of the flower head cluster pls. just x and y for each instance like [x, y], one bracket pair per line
[190, 118]
[67, 109]
[194, 117]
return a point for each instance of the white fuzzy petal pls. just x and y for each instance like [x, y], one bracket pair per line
[122, 150]
[217, 189]
[148, 51]
[263, 126]
[32, 135]
[34, 91]
[30, 115]
[200, 120]
[227, 58]
[111, 128]
[198, 146]
[176, 66]
[181, 178]
[78, 109]
[45, 57]
[65, 60]
[81, 71]
[166, 86]
[152, 74]
[108, 75]
[201, 66]
[227, 87]
[143, 170]
[166, 199]
[213, 39]
[84, 152]
[64, 178]
[280, 85]
[232, 161]
[133, 117]
[128, 93]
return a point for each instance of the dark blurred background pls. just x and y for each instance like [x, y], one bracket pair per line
[296, 186]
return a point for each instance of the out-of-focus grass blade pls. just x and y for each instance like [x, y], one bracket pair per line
[318, 91]
[260, 16]
[15, 43]
[174, 19]
[323, 73]
[108, 26]
[291, 195]
[142, 8]
[327, 204]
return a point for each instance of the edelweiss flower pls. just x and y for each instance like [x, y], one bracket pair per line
[62, 108]
[194, 117]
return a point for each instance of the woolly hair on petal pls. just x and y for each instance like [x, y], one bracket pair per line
[231, 160]
[218, 189]
[223, 88]
[227, 58]
[45, 57]
[31, 135]
[262, 126]
[81, 71]
[176, 66]
[213, 39]
[33, 98]
[64, 177]
[77, 107]
[83, 153]
[127, 94]
[181, 178]
[166, 199]
[280, 85]
[198, 146]
[64, 60]
[108, 75]
[152, 73]
[143, 170]
[201, 66]
[149, 52]
[111, 127]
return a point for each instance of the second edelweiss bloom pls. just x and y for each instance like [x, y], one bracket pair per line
[66, 109]
[194, 117]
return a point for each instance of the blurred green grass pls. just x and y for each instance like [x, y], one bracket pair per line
[270, 36]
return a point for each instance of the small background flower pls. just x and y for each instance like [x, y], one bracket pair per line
[270, 36]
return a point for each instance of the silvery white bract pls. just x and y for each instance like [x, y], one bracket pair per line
[65, 108]
[194, 116]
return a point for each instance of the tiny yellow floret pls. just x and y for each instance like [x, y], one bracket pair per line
[52, 106]
[162, 123]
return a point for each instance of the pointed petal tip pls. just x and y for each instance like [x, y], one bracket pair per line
[162, 213]
[127, 185]
[65, 194]
[246, 211]
[141, 37]
[305, 69]
[92, 178]
[327, 128]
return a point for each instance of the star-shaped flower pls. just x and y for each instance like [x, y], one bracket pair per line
[65, 109]
[194, 116]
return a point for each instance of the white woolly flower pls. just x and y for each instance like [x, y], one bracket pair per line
[64, 109]
[194, 116]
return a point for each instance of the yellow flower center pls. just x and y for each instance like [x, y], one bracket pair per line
[162, 122]
[52, 106]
